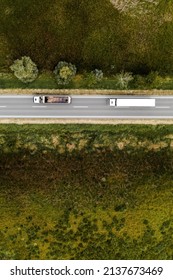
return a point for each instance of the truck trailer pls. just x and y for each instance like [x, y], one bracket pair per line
[132, 102]
[52, 99]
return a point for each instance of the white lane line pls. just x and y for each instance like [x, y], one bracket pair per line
[17, 96]
[39, 106]
[160, 107]
[162, 97]
[123, 96]
[90, 117]
[3, 106]
[80, 106]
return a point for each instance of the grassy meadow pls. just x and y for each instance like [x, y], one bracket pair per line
[86, 191]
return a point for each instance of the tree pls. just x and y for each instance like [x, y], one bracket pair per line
[64, 72]
[25, 69]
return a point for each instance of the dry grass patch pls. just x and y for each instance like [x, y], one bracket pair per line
[157, 146]
[121, 145]
[55, 140]
[82, 144]
[71, 147]
[30, 146]
[169, 136]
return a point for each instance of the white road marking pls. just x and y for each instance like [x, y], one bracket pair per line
[3, 106]
[90, 117]
[80, 106]
[39, 106]
[160, 107]
[162, 97]
[16, 96]
[123, 96]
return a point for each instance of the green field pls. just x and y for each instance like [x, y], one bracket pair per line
[90, 34]
[86, 192]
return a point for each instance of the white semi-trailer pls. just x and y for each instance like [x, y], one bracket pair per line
[132, 102]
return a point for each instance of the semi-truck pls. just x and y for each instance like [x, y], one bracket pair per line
[52, 99]
[132, 102]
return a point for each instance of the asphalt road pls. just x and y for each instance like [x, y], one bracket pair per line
[84, 106]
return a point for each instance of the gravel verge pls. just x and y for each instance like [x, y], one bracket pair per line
[84, 91]
[85, 121]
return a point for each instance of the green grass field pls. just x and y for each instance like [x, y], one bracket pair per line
[86, 192]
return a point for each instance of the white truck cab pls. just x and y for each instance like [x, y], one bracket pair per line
[112, 102]
[36, 99]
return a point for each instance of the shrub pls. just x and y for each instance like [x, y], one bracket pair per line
[98, 74]
[139, 82]
[123, 79]
[25, 69]
[152, 77]
[64, 72]
[92, 78]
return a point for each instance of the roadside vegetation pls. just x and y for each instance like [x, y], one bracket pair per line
[86, 192]
[46, 80]
[110, 36]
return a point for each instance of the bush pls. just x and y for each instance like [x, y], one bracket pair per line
[139, 82]
[151, 77]
[98, 74]
[64, 72]
[93, 78]
[25, 69]
[123, 79]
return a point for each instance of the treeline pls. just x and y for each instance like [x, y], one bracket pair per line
[90, 34]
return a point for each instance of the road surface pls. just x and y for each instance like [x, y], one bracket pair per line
[83, 106]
